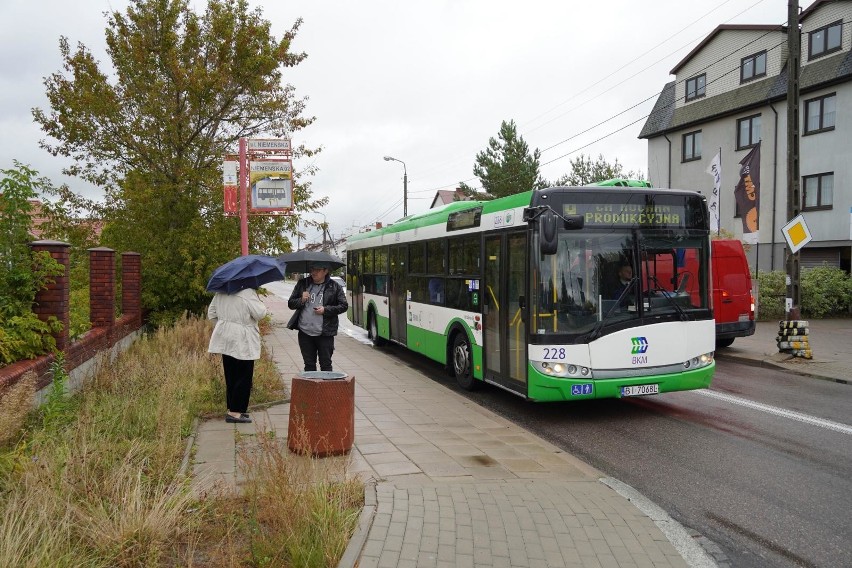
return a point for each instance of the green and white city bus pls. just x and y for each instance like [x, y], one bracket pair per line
[524, 292]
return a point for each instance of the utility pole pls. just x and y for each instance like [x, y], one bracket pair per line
[793, 300]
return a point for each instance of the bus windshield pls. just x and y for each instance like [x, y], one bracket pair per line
[600, 279]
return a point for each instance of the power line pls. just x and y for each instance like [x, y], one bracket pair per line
[611, 133]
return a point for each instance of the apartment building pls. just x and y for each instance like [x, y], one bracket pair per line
[728, 102]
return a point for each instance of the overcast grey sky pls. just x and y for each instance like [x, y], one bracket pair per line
[427, 82]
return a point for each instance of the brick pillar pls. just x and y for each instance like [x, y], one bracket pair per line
[54, 300]
[131, 285]
[102, 287]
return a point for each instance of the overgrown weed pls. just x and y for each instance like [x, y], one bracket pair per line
[94, 480]
[304, 509]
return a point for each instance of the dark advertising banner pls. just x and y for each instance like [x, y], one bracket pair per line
[747, 194]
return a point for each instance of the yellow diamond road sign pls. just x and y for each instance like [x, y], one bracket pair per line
[796, 233]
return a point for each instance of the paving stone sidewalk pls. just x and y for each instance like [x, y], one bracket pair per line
[449, 483]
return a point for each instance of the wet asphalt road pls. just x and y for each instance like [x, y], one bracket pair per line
[761, 464]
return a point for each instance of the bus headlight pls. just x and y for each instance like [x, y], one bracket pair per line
[565, 370]
[698, 362]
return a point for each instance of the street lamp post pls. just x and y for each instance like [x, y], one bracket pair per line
[404, 185]
[324, 232]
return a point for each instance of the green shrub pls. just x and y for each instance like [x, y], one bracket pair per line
[78, 313]
[826, 291]
[22, 272]
[771, 291]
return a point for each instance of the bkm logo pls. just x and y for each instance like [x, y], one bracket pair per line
[640, 345]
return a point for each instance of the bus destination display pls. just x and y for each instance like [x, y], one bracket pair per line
[627, 214]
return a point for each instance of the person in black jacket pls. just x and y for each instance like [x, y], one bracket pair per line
[318, 301]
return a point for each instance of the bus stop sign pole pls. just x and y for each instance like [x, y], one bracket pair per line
[243, 176]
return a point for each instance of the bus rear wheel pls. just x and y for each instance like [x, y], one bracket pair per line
[373, 329]
[463, 363]
[727, 342]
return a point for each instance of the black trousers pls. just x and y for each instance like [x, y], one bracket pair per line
[238, 381]
[312, 347]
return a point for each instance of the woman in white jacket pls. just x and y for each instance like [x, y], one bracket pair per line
[237, 337]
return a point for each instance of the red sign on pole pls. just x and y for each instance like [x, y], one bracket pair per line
[231, 201]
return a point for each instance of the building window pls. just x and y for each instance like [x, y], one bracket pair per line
[818, 191]
[753, 66]
[692, 146]
[695, 87]
[819, 114]
[825, 40]
[748, 132]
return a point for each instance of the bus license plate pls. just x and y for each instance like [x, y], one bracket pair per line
[639, 390]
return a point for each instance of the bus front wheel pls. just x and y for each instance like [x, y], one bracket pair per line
[373, 329]
[463, 363]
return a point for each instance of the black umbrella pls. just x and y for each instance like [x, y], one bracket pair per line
[301, 260]
[250, 271]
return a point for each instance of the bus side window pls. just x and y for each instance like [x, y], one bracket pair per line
[436, 290]
[381, 284]
[458, 294]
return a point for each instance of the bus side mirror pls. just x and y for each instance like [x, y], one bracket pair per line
[573, 222]
[547, 225]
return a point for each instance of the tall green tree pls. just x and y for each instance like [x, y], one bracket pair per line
[585, 171]
[152, 132]
[22, 273]
[506, 167]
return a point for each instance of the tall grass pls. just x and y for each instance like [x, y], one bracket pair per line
[305, 510]
[95, 480]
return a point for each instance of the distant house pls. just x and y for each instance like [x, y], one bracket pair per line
[38, 219]
[444, 196]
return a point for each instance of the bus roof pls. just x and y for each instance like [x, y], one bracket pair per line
[620, 182]
[439, 215]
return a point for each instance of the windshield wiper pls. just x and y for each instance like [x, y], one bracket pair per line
[668, 295]
[595, 332]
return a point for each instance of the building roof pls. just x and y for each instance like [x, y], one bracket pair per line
[821, 73]
[665, 117]
[719, 29]
[444, 196]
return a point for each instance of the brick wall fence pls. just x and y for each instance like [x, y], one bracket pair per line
[106, 332]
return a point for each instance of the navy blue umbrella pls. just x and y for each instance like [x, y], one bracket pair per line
[302, 260]
[250, 271]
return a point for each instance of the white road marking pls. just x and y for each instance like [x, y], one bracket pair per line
[777, 411]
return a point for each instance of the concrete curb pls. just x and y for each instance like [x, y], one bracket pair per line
[365, 522]
[766, 364]
[685, 543]
[187, 452]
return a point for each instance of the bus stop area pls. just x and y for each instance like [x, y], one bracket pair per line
[449, 483]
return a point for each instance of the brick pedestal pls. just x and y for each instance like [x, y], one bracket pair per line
[322, 415]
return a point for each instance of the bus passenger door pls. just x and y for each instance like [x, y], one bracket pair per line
[503, 325]
[397, 292]
[353, 288]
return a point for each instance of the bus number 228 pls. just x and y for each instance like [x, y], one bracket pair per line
[554, 353]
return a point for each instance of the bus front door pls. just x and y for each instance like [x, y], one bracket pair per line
[397, 293]
[504, 341]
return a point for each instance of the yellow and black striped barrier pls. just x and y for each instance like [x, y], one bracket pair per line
[793, 338]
